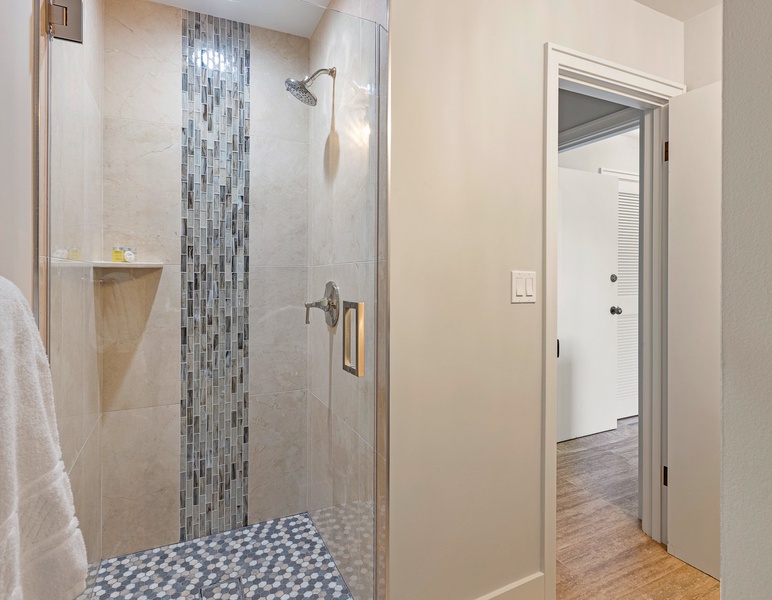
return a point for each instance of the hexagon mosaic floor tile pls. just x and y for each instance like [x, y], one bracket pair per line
[282, 559]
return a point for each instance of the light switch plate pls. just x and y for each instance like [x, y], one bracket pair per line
[523, 287]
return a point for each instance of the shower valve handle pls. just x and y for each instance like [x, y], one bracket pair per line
[329, 304]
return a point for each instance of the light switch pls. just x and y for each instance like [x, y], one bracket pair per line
[523, 287]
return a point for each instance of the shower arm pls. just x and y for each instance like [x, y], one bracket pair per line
[311, 78]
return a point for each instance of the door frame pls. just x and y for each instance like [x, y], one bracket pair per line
[579, 72]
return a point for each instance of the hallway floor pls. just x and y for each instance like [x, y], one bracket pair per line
[602, 552]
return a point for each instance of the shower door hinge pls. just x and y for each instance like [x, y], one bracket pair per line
[667, 151]
[664, 476]
[65, 19]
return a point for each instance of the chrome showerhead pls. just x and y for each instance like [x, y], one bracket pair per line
[300, 90]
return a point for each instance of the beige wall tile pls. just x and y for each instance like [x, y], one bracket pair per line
[93, 162]
[140, 337]
[353, 398]
[86, 482]
[140, 479]
[321, 360]
[67, 174]
[142, 63]
[277, 455]
[276, 57]
[278, 347]
[376, 11]
[320, 421]
[142, 189]
[67, 365]
[279, 203]
[93, 48]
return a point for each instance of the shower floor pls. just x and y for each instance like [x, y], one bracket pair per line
[276, 560]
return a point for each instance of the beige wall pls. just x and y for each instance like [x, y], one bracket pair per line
[466, 206]
[342, 248]
[16, 119]
[746, 540]
[702, 46]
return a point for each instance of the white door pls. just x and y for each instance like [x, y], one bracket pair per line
[628, 262]
[694, 328]
[587, 257]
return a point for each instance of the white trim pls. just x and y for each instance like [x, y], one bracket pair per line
[616, 123]
[568, 69]
[528, 588]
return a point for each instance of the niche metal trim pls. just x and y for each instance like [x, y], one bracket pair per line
[65, 19]
[355, 368]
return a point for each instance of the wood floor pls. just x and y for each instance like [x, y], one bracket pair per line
[602, 552]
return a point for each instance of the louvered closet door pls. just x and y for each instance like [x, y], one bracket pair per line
[627, 294]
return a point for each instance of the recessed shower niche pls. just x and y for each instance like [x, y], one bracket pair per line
[193, 400]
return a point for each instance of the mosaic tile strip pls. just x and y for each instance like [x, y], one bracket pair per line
[281, 559]
[215, 283]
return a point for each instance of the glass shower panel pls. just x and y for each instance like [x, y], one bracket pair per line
[74, 222]
[192, 397]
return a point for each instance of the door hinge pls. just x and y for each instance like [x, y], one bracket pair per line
[667, 151]
[664, 476]
[65, 19]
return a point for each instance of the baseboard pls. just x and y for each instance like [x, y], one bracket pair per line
[528, 588]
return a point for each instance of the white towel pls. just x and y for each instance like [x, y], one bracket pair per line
[42, 554]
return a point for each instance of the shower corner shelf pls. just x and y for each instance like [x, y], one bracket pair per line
[106, 264]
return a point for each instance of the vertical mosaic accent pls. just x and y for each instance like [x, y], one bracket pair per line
[215, 283]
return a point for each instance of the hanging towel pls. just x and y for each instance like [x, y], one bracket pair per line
[42, 554]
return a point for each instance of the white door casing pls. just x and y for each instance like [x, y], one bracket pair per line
[694, 328]
[577, 71]
[587, 257]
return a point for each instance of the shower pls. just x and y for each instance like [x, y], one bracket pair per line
[300, 90]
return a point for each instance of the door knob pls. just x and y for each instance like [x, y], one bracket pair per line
[615, 310]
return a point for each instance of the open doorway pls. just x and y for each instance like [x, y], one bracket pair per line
[609, 498]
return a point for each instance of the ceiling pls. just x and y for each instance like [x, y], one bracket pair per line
[288, 16]
[682, 10]
[576, 109]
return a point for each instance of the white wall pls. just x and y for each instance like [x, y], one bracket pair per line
[702, 48]
[466, 206]
[16, 119]
[620, 153]
[746, 486]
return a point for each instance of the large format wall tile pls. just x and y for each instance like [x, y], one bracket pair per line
[278, 455]
[142, 61]
[321, 358]
[142, 189]
[320, 453]
[69, 342]
[278, 331]
[275, 58]
[140, 479]
[279, 209]
[86, 482]
[139, 337]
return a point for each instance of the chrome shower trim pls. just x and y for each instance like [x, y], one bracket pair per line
[300, 90]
